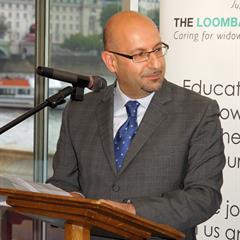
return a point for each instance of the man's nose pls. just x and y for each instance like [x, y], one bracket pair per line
[154, 61]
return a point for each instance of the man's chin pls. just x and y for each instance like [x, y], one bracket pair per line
[152, 87]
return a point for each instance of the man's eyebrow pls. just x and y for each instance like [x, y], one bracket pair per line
[144, 49]
[160, 43]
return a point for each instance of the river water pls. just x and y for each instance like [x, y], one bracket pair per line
[21, 136]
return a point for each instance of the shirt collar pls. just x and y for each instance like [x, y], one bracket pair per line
[120, 99]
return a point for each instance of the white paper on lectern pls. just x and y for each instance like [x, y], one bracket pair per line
[18, 183]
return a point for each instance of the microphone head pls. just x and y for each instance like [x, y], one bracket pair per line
[97, 83]
[94, 83]
[44, 71]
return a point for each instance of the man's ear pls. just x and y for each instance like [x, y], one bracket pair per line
[109, 60]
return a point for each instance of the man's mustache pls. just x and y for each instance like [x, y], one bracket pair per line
[152, 73]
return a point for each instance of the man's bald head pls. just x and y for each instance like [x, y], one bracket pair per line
[123, 23]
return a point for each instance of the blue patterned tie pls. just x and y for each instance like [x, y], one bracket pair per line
[125, 133]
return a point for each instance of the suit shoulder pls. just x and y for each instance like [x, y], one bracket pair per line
[90, 99]
[188, 101]
[185, 94]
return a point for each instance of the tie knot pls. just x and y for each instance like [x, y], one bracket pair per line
[132, 107]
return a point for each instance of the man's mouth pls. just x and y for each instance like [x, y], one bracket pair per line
[152, 76]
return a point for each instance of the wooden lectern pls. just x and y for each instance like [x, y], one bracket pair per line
[82, 216]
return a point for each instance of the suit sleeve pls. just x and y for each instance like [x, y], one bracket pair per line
[65, 164]
[200, 196]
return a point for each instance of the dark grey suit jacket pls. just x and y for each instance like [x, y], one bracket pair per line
[173, 169]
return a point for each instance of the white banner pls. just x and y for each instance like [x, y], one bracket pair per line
[204, 55]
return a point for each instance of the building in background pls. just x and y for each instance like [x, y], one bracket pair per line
[18, 15]
[68, 17]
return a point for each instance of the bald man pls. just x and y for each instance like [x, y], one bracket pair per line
[143, 140]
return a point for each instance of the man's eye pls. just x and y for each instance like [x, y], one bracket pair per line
[158, 49]
[141, 54]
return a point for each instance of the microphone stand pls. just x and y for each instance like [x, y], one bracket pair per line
[77, 93]
[52, 102]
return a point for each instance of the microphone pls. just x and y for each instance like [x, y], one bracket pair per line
[94, 83]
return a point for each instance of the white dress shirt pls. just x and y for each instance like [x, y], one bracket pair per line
[119, 111]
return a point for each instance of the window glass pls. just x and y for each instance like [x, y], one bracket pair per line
[17, 44]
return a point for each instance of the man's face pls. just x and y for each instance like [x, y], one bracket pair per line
[138, 80]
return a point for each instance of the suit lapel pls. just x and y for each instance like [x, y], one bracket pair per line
[105, 125]
[153, 117]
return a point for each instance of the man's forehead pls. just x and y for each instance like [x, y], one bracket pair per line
[130, 30]
[139, 40]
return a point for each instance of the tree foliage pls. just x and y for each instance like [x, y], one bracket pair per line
[154, 15]
[107, 11]
[78, 42]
